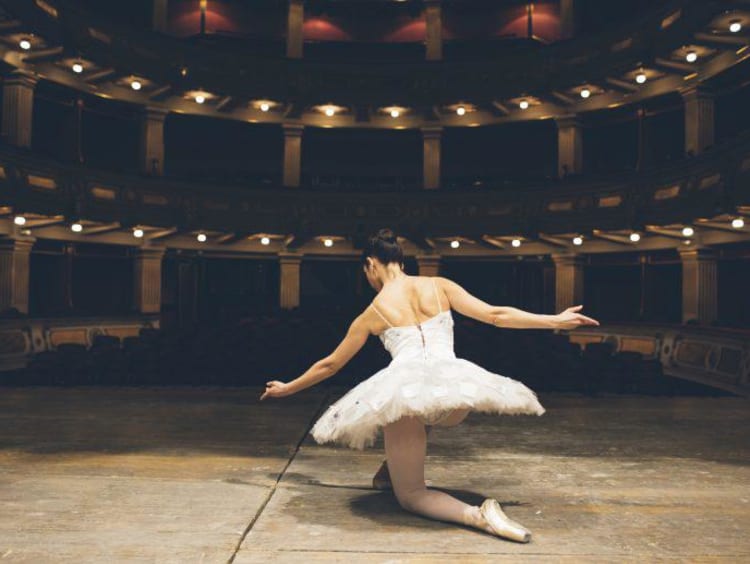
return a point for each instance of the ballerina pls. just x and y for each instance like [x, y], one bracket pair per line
[425, 384]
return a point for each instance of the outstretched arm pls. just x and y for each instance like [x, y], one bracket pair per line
[326, 367]
[508, 316]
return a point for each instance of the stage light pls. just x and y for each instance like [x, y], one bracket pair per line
[138, 233]
[523, 104]
[328, 242]
[264, 107]
[19, 220]
[265, 241]
[688, 231]
[330, 111]
[24, 44]
[578, 241]
[77, 68]
[585, 93]
[76, 227]
[516, 242]
[635, 237]
[691, 56]
[136, 85]
[455, 244]
[738, 223]
[201, 237]
[200, 98]
[641, 77]
[460, 110]
[735, 26]
[395, 113]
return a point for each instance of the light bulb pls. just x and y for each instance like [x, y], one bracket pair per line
[200, 98]
[76, 227]
[735, 26]
[691, 56]
[19, 220]
[264, 107]
[265, 241]
[516, 242]
[77, 68]
[136, 85]
[635, 237]
[738, 223]
[577, 240]
[585, 93]
[201, 237]
[460, 110]
[455, 244]
[137, 233]
[395, 113]
[329, 111]
[328, 242]
[641, 77]
[523, 104]
[24, 44]
[688, 231]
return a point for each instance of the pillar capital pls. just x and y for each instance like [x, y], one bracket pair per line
[698, 91]
[428, 264]
[568, 259]
[691, 253]
[432, 131]
[147, 252]
[568, 120]
[293, 129]
[152, 112]
[21, 77]
[289, 257]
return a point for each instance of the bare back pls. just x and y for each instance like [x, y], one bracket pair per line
[409, 301]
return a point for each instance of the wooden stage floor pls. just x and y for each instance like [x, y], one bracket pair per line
[212, 475]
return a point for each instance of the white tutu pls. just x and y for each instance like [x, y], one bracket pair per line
[424, 379]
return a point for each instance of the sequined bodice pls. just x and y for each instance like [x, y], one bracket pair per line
[431, 339]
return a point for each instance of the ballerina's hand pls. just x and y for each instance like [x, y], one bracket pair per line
[276, 389]
[569, 319]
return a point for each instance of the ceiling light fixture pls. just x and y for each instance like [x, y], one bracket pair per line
[77, 68]
[19, 220]
[641, 77]
[738, 223]
[136, 85]
[691, 56]
[138, 233]
[455, 244]
[578, 241]
[461, 110]
[585, 93]
[24, 44]
[516, 242]
[328, 242]
[265, 241]
[523, 104]
[688, 231]
[265, 106]
[76, 227]
[200, 98]
[735, 26]
[635, 237]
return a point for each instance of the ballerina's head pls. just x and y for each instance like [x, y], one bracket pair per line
[382, 258]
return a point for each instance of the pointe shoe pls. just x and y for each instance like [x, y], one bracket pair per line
[382, 478]
[501, 524]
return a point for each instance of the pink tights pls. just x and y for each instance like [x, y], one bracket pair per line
[405, 451]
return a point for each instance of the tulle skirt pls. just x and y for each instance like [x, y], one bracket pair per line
[426, 389]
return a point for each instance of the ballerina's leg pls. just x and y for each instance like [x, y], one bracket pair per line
[405, 449]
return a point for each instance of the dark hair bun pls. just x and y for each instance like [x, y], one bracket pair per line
[384, 246]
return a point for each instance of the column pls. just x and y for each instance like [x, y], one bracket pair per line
[568, 280]
[568, 18]
[428, 265]
[18, 107]
[699, 285]
[699, 119]
[434, 30]
[569, 146]
[152, 141]
[289, 280]
[294, 37]
[147, 286]
[160, 15]
[292, 153]
[431, 156]
[14, 273]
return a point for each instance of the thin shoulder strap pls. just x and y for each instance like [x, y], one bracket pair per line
[381, 315]
[437, 296]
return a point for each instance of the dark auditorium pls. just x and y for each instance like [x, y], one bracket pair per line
[374, 281]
